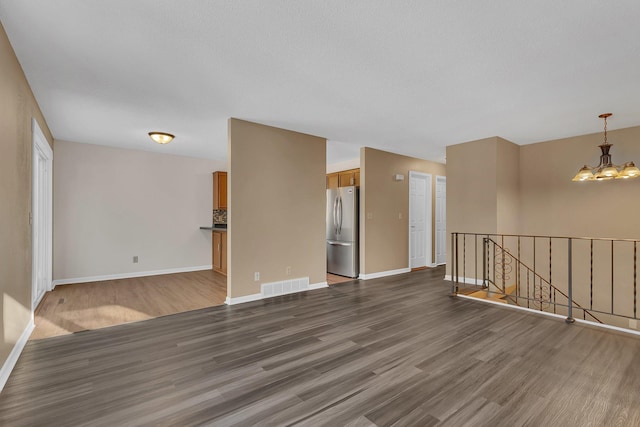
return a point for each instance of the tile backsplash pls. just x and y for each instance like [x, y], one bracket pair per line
[219, 216]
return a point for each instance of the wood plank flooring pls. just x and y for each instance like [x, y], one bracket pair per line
[395, 351]
[82, 306]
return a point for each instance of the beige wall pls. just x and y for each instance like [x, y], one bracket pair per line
[385, 237]
[112, 203]
[471, 187]
[496, 186]
[550, 203]
[17, 108]
[276, 212]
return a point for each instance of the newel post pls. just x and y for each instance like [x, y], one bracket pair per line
[570, 318]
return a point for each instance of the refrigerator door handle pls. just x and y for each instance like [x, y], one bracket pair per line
[340, 215]
[331, 242]
[335, 215]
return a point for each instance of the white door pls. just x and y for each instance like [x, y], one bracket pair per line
[441, 220]
[41, 216]
[419, 219]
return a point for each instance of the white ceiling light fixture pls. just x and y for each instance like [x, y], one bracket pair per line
[606, 169]
[161, 137]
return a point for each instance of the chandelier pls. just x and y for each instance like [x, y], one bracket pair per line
[606, 169]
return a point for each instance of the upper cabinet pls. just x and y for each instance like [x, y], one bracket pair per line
[333, 180]
[219, 190]
[344, 178]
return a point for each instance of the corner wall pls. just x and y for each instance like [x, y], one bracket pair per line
[384, 236]
[112, 204]
[483, 190]
[17, 107]
[276, 214]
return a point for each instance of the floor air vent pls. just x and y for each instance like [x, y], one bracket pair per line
[285, 287]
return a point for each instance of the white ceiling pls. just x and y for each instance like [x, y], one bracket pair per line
[408, 76]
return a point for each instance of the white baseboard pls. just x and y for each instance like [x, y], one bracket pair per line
[240, 300]
[256, 297]
[384, 273]
[129, 275]
[9, 364]
[544, 313]
[319, 285]
[467, 280]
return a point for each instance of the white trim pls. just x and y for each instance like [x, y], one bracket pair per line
[319, 285]
[466, 280]
[256, 297]
[544, 313]
[130, 275]
[240, 300]
[384, 273]
[12, 359]
[41, 215]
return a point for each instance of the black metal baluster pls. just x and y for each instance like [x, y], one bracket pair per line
[464, 257]
[550, 293]
[635, 263]
[503, 266]
[529, 274]
[518, 275]
[475, 252]
[612, 277]
[493, 263]
[591, 278]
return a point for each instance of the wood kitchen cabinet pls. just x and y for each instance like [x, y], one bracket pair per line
[220, 251]
[344, 178]
[333, 180]
[219, 190]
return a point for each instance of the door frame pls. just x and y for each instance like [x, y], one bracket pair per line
[428, 217]
[437, 202]
[41, 213]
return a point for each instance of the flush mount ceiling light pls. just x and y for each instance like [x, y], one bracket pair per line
[161, 137]
[606, 169]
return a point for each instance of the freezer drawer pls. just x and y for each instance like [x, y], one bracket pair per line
[342, 258]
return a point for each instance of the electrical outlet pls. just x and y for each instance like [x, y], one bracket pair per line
[256, 276]
[135, 259]
[399, 215]
[289, 271]
[369, 215]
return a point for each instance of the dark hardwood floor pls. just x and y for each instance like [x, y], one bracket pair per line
[392, 351]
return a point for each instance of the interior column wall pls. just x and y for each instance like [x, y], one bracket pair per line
[276, 207]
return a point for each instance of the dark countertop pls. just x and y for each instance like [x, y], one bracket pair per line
[219, 227]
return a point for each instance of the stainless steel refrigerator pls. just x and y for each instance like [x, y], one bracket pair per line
[342, 231]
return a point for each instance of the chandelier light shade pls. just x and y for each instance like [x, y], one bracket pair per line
[606, 170]
[161, 137]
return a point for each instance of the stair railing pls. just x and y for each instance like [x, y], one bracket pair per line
[539, 292]
[594, 276]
